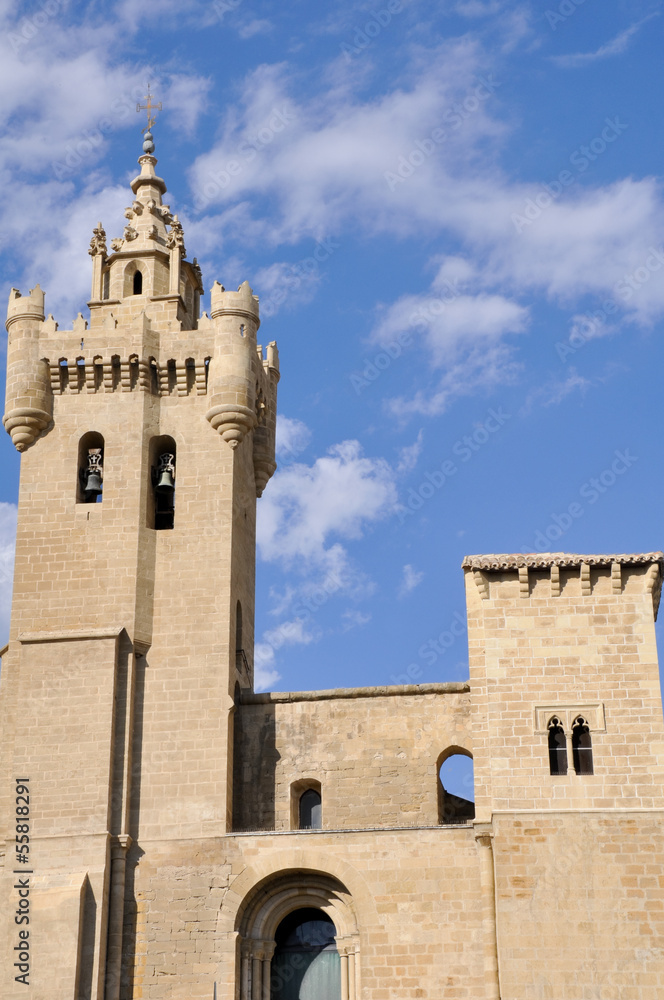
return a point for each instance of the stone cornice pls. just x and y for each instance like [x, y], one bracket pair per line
[387, 691]
[503, 562]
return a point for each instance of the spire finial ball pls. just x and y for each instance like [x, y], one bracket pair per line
[148, 143]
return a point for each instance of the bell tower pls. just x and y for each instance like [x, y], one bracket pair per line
[146, 433]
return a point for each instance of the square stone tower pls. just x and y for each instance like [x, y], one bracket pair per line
[146, 436]
[568, 743]
[168, 834]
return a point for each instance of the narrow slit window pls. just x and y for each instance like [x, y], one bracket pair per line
[138, 283]
[557, 747]
[582, 747]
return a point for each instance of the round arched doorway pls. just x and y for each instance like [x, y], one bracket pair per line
[298, 939]
[306, 963]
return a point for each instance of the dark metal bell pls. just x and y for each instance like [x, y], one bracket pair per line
[165, 483]
[93, 484]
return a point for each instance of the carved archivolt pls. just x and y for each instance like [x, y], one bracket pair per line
[267, 905]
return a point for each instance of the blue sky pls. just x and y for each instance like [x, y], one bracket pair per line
[453, 215]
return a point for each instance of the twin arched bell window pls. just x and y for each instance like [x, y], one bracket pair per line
[577, 745]
[90, 484]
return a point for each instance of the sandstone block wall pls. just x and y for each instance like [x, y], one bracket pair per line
[376, 757]
[584, 648]
[415, 896]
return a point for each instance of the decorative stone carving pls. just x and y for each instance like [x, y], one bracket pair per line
[24, 424]
[117, 244]
[130, 233]
[133, 210]
[175, 238]
[98, 241]
[232, 421]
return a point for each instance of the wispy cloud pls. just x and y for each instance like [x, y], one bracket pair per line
[7, 544]
[409, 454]
[556, 390]
[411, 579]
[265, 672]
[615, 47]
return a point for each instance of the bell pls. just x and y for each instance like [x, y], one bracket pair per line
[93, 485]
[165, 483]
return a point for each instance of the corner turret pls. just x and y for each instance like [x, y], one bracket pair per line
[28, 400]
[232, 380]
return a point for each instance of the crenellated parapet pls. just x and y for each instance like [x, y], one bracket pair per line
[128, 373]
[28, 399]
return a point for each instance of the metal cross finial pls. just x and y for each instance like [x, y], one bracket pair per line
[150, 108]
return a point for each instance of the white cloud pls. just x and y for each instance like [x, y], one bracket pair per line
[293, 436]
[475, 8]
[479, 370]
[265, 672]
[283, 284]
[307, 507]
[463, 333]
[555, 390]
[411, 579]
[450, 328]
[255, 27]
[7, 546]
[352, 618]
[326, 169]
[615, 47]
[409, 455]
[289, 633]
[329, 159]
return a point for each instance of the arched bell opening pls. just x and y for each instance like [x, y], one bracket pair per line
[135, 280]
[161, 503]
[456, 786]
[298, 939]
[90, 468]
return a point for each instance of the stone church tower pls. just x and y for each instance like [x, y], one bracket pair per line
[171, 835]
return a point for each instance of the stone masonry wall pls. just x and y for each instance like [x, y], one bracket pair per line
[375, 757]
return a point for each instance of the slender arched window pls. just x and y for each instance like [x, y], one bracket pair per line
[240, 655]
[557, 747]
[90, 468]
[311, 810]
[163, 472]
[138, 283]
[582, 747]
